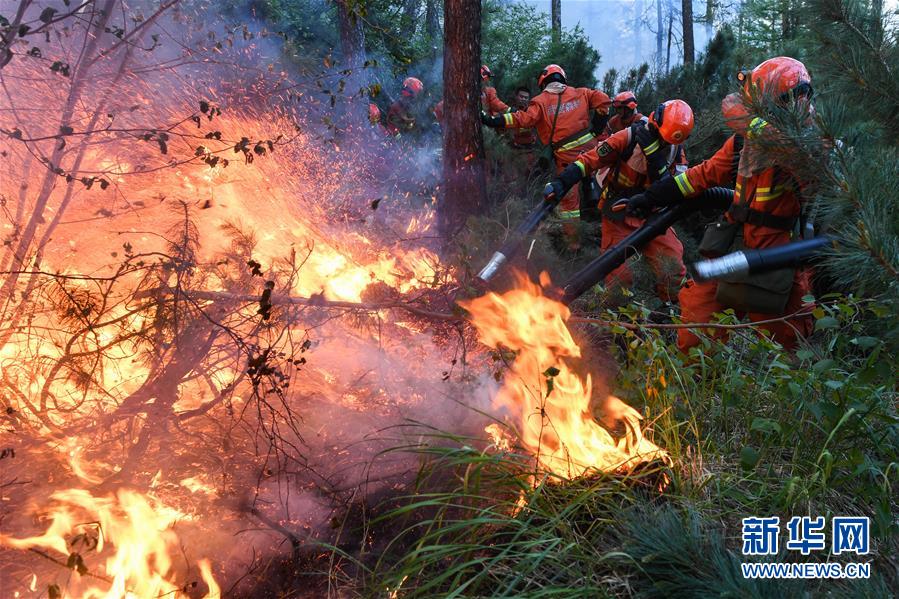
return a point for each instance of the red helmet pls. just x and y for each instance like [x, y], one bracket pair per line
[412, 87]
[780, 77]
[625, 99]
[485, 72]
[736, 115]
[551, 69]
[674, 120]
[374, 114]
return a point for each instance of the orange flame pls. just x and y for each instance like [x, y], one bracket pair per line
[552, 402]
[138, 533]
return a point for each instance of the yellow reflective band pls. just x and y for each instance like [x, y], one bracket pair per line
[756, 125]
[625, 180]
[651, 147]
[578, 142]
[581, 166]
[568, 214]
[683, 184]
[509, 119]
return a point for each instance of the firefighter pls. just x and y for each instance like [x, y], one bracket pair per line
[490, 102]
[625, 105]
[401, 114]
[523, 138]
[635, 157]
[561, 115]
[765, 212]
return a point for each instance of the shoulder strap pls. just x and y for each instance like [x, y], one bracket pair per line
[552, 131]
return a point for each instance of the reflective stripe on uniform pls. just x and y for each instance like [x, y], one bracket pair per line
[569, 214]
[766, 194]
[581, 166]
[577, 142]
[651, 148]
[684, 185]
[509, 119]
[756, 125]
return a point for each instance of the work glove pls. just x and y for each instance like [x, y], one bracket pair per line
[494, 122]
[598, 124]
[661, 194]
[556, 189]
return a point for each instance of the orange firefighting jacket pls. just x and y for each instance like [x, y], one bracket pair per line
[490, 102]
[572, 128]
[766, 200]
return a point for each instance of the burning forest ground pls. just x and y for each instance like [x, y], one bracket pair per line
[237, 359]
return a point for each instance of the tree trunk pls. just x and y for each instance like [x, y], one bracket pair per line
[352, 112]
[432, 20]
[709, 18]
[464, 189]
[638, 38]
[556, 20]
[410, 12]
[659, 30]
[687, 21]
[670, 28]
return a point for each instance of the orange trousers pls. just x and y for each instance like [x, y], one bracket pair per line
[664, 253]
[570, 206]
[698, 303]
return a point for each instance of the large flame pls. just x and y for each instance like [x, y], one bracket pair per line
[132, 532]
[552, 402]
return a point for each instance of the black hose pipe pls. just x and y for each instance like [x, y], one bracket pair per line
[716, 198]
[510, 247]
[750, 262]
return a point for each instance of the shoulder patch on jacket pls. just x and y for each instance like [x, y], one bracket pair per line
[604, 149]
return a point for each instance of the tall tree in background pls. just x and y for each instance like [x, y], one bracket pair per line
[464, 186]
[557, 20]
[638, 38]
[659, 30]
[352, 45]
[709, 18]
[687, 21]
[432, 21]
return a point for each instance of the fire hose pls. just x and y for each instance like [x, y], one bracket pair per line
[716, 198]
[511, 246]
[750, 262]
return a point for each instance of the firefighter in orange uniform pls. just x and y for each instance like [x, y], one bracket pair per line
[635, 157]
[765, 212]
[561, 115]
[625, 105]
[401, 114]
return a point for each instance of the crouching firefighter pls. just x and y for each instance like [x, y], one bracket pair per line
[561, 115]
[765, 212]
[634, 158]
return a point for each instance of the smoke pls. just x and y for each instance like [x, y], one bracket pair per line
[171, 399]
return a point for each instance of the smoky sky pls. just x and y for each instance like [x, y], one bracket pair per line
[611, 25]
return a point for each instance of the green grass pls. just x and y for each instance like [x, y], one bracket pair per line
[751, 431]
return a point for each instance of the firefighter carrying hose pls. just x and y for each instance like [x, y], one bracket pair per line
[635, 157]
[765, 213]
[561, 115]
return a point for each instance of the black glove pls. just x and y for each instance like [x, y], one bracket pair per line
[556, 189]
[494, 122]
[598, 123]
[660, 194]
